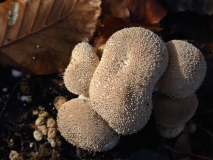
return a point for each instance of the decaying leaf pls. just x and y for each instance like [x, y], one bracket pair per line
[116, 8]
[146, 12]
[37, 36]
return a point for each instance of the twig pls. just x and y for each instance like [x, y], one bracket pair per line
[187, 153]
[208, 132]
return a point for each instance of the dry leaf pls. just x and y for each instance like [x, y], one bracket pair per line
[146, 12]
[116, 8]
[37, 36]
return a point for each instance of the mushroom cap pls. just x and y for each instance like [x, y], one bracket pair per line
[81, 126]
[43, 129]
[172, 112]
[185, 72]
[52, 132]
[40, 121]
[38, 135]
[121, 87]
[51, 123]
[79, 72]
[14, 155]
[58, 101]
[169, 132]
[44, 114]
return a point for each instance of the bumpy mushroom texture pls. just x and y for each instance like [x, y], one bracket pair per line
[81, 126]
[171, 112]
[185, 72]
[169, 132]
[121, 88]
[79, 72]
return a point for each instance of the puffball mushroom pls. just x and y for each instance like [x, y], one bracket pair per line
[172, 112]
[121, 87]
[79, 72]
[83, 127]
[185, 72]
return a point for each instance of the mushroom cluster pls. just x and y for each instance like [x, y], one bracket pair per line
[115, 93]
[46, 128]
[176, 102]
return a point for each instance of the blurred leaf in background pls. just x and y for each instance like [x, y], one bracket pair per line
[39, 35]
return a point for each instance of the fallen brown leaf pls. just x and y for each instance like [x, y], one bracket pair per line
[146, 12]
[116, 8]
[39, 35]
